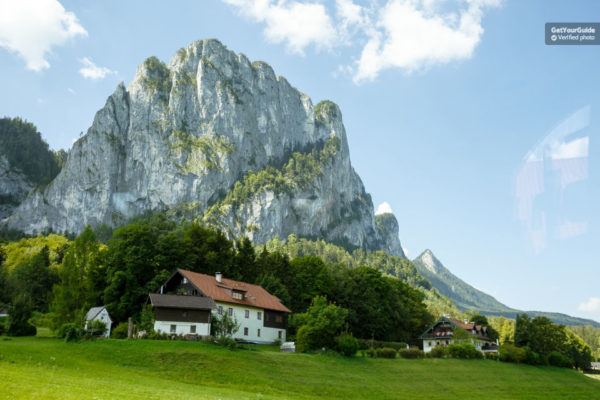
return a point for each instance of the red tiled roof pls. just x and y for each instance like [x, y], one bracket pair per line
[254, 295]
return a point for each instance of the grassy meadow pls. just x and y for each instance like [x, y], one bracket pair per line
[48, 368]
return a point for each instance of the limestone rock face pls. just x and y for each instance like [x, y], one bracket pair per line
[214, 137]
[14, 187]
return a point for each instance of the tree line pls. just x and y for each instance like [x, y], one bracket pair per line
[58, 283]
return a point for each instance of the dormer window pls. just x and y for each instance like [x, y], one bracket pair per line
[184, 280]
[237, 295]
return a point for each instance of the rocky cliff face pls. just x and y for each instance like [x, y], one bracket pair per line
[214, 137]
[14, 187]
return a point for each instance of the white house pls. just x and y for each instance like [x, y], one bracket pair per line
[99, 314]
[188, 301]
[442, 333]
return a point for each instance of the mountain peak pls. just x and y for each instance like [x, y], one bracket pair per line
[216, 138]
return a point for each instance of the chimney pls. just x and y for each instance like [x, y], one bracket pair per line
[218, 276]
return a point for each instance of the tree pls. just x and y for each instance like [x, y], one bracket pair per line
[33, 279]
[19, 315]
[319, 325]
[224, 326]
[308, 277]
[81, 280]
[522, 330]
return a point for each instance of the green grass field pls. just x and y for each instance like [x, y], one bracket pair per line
[46, 368]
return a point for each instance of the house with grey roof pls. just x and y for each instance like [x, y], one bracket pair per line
[99, 314]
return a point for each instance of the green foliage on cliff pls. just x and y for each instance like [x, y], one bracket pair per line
[157, 78]
[24, 148]
[201, 153]
[325, 110]
[300, 170]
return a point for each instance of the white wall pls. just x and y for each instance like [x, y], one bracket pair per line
[182, 328]
[429, 344]
[267, 335]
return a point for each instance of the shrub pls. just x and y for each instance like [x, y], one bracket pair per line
[347, 345]
[511, 353]
[120, 332]
[438, 352]
[464, 351]
[413, 353]
[557, 359]
[377, 344]
[3, 321]
[386, 352]
[96, 328]
[70, 332]
[491, 356]
[226, 341]
[532, 358]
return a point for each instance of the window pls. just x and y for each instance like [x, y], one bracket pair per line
[258, 332]
[279, 334]
[259, 315]
[245, 331]
[184, 314]
[278, 319]
[247, 313]
[237, 295]
[230, 312]
[173, 328]
[220, 310]
[193, 329]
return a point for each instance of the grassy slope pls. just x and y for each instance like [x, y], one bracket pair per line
[51, 369]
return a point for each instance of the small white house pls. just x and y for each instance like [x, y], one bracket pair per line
[99, 314]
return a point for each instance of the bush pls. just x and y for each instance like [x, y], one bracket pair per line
[377, 344]
[96, 328]
[491, 356]
[385, 352]
[438, 352]
[347, 345]
[3, 321]
[557, 359]
[226, 341]
[411, 353]
[70, 332]
[511, 353]
[532, 358]
[464, 351]
[120, 332]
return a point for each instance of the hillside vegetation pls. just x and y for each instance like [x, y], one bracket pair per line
[52, 369]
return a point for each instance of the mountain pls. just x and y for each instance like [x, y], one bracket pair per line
[213, 137]
[466, 297]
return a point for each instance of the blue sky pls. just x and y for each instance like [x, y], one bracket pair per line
[442, 101]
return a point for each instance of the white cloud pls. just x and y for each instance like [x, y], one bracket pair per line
[297, 24]
[92, 71]
[413, 35]
[31, 28]
[591, 305]
[409, 35]
[384, 208]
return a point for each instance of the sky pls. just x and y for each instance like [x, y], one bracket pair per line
[480, 138]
